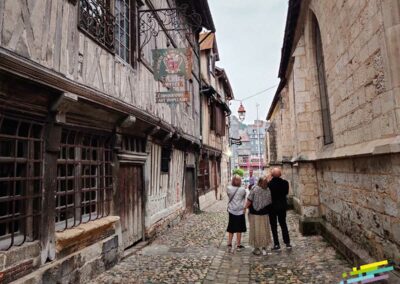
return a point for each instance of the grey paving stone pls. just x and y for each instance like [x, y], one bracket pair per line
[195, 252]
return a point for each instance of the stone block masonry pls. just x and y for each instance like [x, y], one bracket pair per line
[19, 261]
[360, 197]
[347, 186]
[84, 264]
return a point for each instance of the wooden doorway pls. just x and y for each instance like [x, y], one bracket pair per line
[131, 209]
[189, 189]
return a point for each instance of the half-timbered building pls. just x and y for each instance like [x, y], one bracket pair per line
[215, 94]
[95, 153]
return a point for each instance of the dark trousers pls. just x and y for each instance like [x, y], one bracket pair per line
[279, 216]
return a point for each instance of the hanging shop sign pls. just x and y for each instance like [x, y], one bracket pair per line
[172, 68]
[172, 97]
[172, 61]
[174, 82]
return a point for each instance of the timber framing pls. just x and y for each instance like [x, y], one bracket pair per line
[25, 68]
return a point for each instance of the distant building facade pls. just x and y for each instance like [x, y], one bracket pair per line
[335, 125]
[251, 154]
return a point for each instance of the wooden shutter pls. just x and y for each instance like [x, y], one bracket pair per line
[212, 116]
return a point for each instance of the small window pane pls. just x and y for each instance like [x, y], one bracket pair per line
[122, 29]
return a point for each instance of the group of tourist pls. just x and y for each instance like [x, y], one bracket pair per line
[266, 203]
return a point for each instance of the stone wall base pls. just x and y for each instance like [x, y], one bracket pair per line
[296, 205]
[79, 267]
[19, 261]
[349, 249]
[207, 199]
[309, 226]
[290, 202]
[164, 224]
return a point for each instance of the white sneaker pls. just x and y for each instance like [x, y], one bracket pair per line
[264, 252]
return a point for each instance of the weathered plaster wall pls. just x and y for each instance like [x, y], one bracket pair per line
[165, 193]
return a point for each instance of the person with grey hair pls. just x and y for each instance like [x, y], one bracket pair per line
[259, 203]
[279, 190]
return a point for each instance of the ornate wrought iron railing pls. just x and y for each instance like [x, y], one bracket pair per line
[97, 21]
[174, 22]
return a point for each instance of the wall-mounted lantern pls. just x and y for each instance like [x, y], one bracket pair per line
[241, 112]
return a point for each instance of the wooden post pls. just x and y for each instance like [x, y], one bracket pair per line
[52, 149]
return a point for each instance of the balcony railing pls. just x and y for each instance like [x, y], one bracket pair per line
[97, 21]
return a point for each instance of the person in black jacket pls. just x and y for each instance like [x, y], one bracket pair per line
[279, 191]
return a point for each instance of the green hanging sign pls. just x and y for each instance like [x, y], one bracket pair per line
[172, 61]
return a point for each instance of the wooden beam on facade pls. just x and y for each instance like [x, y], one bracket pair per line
[25, 68]
[168, 137]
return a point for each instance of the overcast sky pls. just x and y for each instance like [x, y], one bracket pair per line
[249, 37]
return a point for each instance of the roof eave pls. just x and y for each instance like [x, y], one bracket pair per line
[293, 14]
[202, 7]
[290, 30]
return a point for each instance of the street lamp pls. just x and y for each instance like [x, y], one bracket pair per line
[241, 112]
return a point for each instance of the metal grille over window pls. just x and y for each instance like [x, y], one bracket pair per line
[122, 29]
[96, 20]
[84, 179]
[21, 177]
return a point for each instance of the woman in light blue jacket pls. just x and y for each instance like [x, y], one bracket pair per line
[237, 220]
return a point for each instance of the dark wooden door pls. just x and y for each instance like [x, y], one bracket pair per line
[189, 189]
[131, 193]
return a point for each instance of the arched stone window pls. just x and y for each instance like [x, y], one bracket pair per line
[325, 112]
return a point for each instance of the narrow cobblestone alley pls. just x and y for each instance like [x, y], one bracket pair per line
[195, 252]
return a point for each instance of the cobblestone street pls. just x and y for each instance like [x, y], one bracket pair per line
[195, 252]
